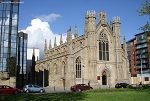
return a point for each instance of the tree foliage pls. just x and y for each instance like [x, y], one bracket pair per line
[11, 66]
[145, 11]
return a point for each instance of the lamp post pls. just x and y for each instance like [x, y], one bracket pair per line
[82, 70]
[43, 77]
[141, 67]
[82, 73]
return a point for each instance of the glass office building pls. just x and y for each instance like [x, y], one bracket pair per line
[9, 11]
[21, 76]
[22, 39]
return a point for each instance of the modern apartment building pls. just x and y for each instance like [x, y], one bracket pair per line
[139, 57]
[131, 50]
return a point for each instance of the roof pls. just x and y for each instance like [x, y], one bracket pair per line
[131, 40]
[147, 32]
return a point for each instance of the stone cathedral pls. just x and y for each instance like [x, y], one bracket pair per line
[97, 57]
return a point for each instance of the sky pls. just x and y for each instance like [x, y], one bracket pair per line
[47, 19]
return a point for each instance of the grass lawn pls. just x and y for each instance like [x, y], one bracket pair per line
[95, 95]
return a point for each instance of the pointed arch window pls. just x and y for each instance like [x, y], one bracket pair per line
[103, 47]
[78, 67]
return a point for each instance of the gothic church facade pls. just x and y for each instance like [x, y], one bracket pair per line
[97, 57]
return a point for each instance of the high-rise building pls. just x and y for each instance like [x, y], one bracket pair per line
[22, 39]
[139, 57]
[9, 11]
[131, 50]
[142, 54]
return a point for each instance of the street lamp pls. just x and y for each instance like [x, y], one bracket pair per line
[141, 66]
[43, 77]
[82, 73]
[82, 70]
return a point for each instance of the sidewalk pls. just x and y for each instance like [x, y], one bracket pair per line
[56, 89]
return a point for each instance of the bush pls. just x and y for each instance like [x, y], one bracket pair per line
[134, 86]
[146, 86]
[141, 86]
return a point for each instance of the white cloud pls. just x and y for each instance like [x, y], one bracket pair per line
[38, 31]
[50, 17]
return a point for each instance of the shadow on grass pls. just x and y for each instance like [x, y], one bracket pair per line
[45, 97]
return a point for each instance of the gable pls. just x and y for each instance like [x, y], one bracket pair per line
[104, 30]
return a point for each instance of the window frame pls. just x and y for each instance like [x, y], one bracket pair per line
[103, 47]
[78, 67]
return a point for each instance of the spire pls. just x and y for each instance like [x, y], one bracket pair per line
[45, 48]
[55, 42]
[33, 52]
[85, 24]
[111, 25]
[116, 19]
[37, 58]
[61, 41]
[102, 19]
[124, 39]
[116, 25]
[90, 22]
[50, 46]
[125, 45]
[69, 34]
[33, 67]
[76, 32]
[33, 55]
[124, 42]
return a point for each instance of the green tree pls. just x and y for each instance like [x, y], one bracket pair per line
[145, 11]
[11, 66]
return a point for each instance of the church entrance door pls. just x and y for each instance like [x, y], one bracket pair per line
[104, 78]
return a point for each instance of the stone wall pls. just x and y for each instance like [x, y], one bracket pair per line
[10, 82]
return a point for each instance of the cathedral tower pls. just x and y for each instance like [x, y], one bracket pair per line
[116, 31]
[118, 53]
[90, 32]
[90, 22]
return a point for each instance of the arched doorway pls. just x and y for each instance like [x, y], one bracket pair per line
[104, 78]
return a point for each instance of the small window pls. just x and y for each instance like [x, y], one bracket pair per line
[146, 78]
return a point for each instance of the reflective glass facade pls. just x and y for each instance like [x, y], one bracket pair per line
[9, 11]
[22, 39]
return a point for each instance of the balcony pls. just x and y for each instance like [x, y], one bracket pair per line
[143, 57]
[141, 51]
[141, 42]
[141, 47]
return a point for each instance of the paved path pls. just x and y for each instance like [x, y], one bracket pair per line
[56, 89]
